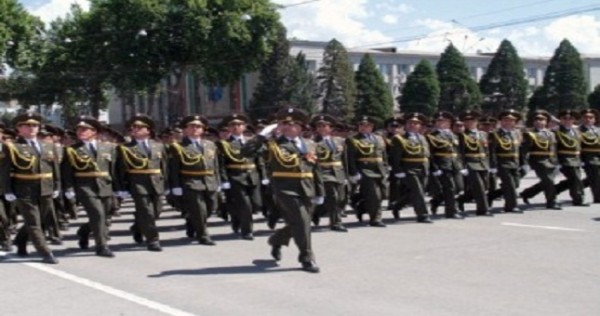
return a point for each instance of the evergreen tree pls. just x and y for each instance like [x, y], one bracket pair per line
[537, 100]
[272, 89]
[421, 92]
[303, 86]
[564, 81]
[374, 97]
[458, 90]
[337, 86]
[504, 84]
[594, 98]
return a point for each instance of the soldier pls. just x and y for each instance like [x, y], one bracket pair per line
[331, 154]
[32, 179]
[568, 151]
[505, 158]
[397, 194]
[296, 182]
[194, 174]
[539, 148]
[590, 151]
[445, 164]
[473, 148]
[88, 171]
[240, 176]
[4, 215]
[488, 124]
[141, 173]
[367, 167]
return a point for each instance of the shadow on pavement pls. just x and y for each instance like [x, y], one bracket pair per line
[258, 266]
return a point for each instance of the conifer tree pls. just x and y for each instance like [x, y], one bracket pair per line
[421, 92]
[337, 86]
[594, 98]
[303, 85]
[458, 90]
[374, 97]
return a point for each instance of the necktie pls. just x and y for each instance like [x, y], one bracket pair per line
[199, 146]
[35, 146]
[146, 148]
[329, 143]
[299, 145]
[92, 149]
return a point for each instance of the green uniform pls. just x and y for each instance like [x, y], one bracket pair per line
[331, 153]
[568, 151]
[4, 215]
[473, 148]
[539, 148]
[505, 157]
[444, 159]
[590, 157]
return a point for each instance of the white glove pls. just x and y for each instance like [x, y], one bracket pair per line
[55, 194]
[70, 194]
[493, 170]
[123, 194]
[437, 173]
[10, 197]
[582, 164]
[268, 130]
[355, 178]
[318, 200]
[525, 168]
[400, 175]
[265, 181]
[464, 172]
[177, 191]
[225, 185]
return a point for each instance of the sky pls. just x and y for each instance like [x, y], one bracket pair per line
[427, 25]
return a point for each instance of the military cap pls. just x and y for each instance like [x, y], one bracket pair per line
[27, 118]
[167, 131]
[235, 118]
[469, 115]
[458, 123]
[141, 120]
[593, 112]
[260, 123]
[194, 119]
[222, 127]
[323, 118]
[366, 119]
[488, 120]
[55, 130]
[9, 133]
[510, 114]
[540, 114]
[415, 117]
[88, 122]
[443, 115]
[211, 131]
[392, 122]
[290, 114]
[568, 114]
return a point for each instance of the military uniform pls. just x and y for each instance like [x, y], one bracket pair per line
[194, 169]
[397, 193]
[142, 171]
[568, 151]
[4, 215]
[590, 154]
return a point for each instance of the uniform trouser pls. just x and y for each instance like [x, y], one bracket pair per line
[242, 200]
[573, 182]
[509, 185]
[146, 208]
[33, 211]
[196, 206]
[4, 224]
[546, 184]
[97, 209]
[416, 181]
[394, 194]
[297, 213]
[475, 187]
[371, 193]
[334, 193]
[50, 222]
[592, 179]
[446, 189]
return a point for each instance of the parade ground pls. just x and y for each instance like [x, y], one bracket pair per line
[538, 263]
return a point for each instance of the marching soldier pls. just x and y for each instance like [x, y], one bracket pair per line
[568, 151]
[4, 214]
[397, 193]
[505, 159]
[590, 151]
[367, 167]
[194, 174]
[410, 163]
[539, 148]
[141, 173]
[331, 154]
[296, 182]
[240, 176]
[445, 164]
[88, 170]
[473, 147]
[32, 179]
[488, 124]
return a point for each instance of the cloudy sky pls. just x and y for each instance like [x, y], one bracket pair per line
[427, 25]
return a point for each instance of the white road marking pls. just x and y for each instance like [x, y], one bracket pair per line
[110, 290]
[545, 227]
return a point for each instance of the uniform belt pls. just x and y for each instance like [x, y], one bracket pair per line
[302, 175]
[541, 153]
[31, 176]
[91, 174]
[144, 171]
[590, 150]
[371, 159]
[241, 166]
[414, 159]
[452, 155]
[568, 152]
[331, 164]
[197, 173]
[508, 155]
[477, 155]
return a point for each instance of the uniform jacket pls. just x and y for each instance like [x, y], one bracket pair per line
[539, 148]
[192, 168]
[367, 156]
[444, 149]
[590, 145]
[236, 168]
[332, 158]
[504, 149]
[473, 148]
[88, 174]
[139, 173]
[410, 154]
[568, 147]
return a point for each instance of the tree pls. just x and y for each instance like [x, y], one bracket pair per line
[421, 92]
[564, 82]
[373, 98]
[337, 86]
[594, 98]
[537, 100]
[458, 90]
[504, 84]
[303, 85]
[18, 29]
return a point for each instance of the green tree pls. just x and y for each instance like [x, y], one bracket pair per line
[537, 99]
[374, 97]
[421, 92]
[337, 86]
[303, 85]
[458, 90]
[594, 98]
[503, 84]
[18, 31]
[564, 82]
